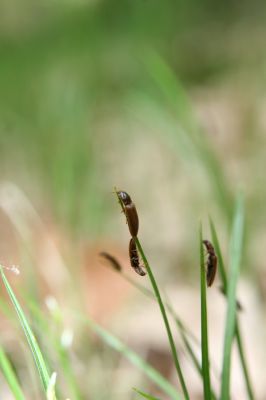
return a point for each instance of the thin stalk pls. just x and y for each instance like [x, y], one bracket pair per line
[204, 326]
[165, 318]
[10, 376]
[184, 331]
[34, 347]
[236, 245]
[223, 276]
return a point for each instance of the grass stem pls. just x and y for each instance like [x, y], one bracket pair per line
[165, 318]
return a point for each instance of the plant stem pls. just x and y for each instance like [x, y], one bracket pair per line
[165, 319]
[204, 326]
[223, 276]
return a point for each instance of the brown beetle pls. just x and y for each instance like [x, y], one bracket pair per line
[134, 258]
[130, 211]
[211, 262]
[112, 260]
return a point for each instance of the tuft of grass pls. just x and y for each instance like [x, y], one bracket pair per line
[235, 259]
[184, 331]
[10, 376]
[222, 272]
[204, 325]
[34, 347]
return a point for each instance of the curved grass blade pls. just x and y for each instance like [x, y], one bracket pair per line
[135, 359]
[204, 326]
[10, 376]
[145, 395]
[188, 129]
[165, 319]
[35, 349]
[235, 259]
[222, 271]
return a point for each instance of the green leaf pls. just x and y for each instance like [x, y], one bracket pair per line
[10, 376]
[35, 349]
[235, 259]
[204, 326]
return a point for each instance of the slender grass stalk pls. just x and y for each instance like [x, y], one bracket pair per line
[145, 395]
[182, 329]
[135, 359]
[162, 308]
[10, 376]
[204, 326]
[193, 357]
[222, 271]
[51, 387]
[35, 349]
[165, 318]
[235, 259]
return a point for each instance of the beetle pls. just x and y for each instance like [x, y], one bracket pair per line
[211, 262]
[130, 211]
[134, 258]
[112, 260]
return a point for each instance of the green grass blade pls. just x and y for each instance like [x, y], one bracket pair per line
[63, 356]
[235, 259]
[222, 271]
[162, 309]
[204, 326]
[10, 376]
[244, 363]
[165, 319]
[135, 359]
[50, 394]
[182, 329]
[36, 352]
[145, 395]
[188, 129]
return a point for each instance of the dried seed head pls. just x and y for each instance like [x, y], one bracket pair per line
[134, 258]
[211, 262]
[130, 211]
[124, 197]
[112, 261]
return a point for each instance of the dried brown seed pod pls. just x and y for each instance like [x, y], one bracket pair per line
[130, 211]
[134, 258]
[112, 260]
[211, 262]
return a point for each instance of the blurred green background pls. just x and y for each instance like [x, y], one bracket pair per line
[165, 100]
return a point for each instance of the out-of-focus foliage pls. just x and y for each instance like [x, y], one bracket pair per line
[72, 78]
[162, 99]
